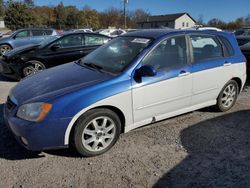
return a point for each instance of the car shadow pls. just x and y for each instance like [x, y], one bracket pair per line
[9, 147]
[5, 79]
[218, 154]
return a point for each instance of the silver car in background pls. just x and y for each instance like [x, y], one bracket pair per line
[24, 37]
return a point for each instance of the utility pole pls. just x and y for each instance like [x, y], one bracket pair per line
[125, 15]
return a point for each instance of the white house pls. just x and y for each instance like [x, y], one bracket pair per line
[175, 21]
[2, 25]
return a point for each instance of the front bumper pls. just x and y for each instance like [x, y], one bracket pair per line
[44, 135]
[11, 70]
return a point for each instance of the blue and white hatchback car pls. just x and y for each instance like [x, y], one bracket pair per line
[134, 80]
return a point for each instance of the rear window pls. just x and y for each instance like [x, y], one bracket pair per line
[228, 46]
[206, 47]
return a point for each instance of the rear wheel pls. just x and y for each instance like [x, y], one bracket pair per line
[228, 96]
[96, 132]
[33, 67]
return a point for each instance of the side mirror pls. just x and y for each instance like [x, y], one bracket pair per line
[146, 71]
[54, 47]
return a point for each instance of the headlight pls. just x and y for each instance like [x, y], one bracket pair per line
[34, 112]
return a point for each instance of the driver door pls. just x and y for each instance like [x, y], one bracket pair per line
[155, 98]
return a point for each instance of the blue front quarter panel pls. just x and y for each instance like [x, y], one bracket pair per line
[54, 126]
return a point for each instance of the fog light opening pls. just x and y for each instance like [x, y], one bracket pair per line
[24, 141]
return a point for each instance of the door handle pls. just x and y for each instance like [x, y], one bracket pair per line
[227, 64]
[184, 73]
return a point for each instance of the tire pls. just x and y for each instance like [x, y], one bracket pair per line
[4, 48]
[96, 132]
[227, 96]
[33, 67]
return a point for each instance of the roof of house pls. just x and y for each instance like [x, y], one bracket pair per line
[164, 18]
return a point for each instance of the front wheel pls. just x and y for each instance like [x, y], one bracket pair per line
[4, 48]
[228, 96]
[33, 67]
[96, 132]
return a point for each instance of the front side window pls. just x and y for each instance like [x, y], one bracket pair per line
[70, 41]
[206, 47]
[116, 55]
[94, 40]
[169, 54]
[22, 34]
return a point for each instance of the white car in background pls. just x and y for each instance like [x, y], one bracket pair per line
[111, 32]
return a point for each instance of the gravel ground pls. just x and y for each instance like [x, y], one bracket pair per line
[198, 149]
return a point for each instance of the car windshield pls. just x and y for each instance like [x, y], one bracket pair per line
[48, 40]
[116, 54]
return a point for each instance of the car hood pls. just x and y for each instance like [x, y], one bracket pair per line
[22, 49]
[55, 82]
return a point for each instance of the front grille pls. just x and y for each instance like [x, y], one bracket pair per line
[10, 104]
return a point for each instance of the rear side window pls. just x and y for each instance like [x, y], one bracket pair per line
[94, 40]
[37, 33]
[48, 32]
[70, 41]
[228, 47]
[206, 47]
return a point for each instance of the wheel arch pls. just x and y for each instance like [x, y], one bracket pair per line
[238, 81]
[71, 126]
[6, 43]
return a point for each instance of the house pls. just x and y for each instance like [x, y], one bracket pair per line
[2, 25]
[174, 21]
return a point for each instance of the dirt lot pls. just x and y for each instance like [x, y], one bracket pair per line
[198, 149]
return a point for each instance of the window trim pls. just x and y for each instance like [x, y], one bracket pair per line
[191, 47]
[167, 38]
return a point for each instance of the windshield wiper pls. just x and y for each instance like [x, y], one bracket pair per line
[92, 65]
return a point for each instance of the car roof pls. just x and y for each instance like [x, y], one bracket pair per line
[36, 28]
[81, 32]
[157, 33]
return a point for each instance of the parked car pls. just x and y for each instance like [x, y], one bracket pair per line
[246, 51]
[111, 32]
[242, 40]
[243, 31]
[133, 80]
[23, 37]
[30, 59]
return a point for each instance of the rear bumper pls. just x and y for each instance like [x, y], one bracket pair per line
[10, 70]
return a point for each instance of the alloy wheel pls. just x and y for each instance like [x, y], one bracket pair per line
[229, 95]
[98, 134]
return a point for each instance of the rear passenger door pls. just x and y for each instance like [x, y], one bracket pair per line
[37, 36]
[210, 69]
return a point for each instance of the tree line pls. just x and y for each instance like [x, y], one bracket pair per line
[20, 14]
